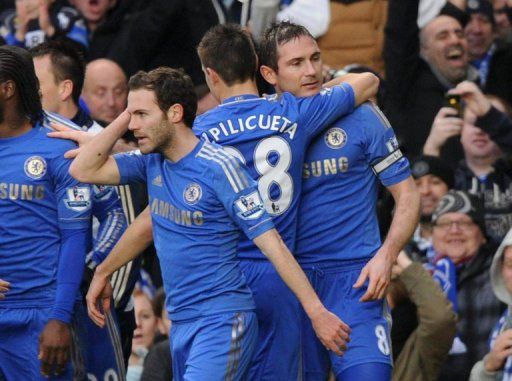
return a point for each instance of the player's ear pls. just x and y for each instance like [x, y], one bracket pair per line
[212, 75]
[175, 113]
[8, 89]
[65, 89]
[268, 74]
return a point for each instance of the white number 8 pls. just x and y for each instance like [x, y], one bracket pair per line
[382, 339]
[272, 173]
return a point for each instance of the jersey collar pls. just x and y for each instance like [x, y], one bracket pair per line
[240, 98]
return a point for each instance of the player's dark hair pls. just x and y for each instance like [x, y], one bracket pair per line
[229, 51]
[16, 65]
[67, 63]
[171, 86]
[275, 35]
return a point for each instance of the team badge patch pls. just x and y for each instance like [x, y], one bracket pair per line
[35, 167]
[192, 193]
[249, 207]
[335, 138]
[79, 198]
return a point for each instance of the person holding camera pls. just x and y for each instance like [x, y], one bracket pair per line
[484, 127]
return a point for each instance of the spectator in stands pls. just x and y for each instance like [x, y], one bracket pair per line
[459, 237]
[497, 364]
[420, 68]
[158, 362]
[35, 21]
[105, 90]
[492, 58]
[481, 171]
[433, 178]
[503, 18]
[144, 334]
[423, 322]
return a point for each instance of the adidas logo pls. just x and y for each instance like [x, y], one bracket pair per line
[157, 181]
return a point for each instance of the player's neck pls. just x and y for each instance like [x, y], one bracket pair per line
[68, 110]
[183, 142]
[14, 125]
[247, 87]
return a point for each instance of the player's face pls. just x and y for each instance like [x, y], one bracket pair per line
[476, 143]
[445, 47]
[299, 67]
[480, 35]
[457, 237]
[47, 83]
[149, 124]
[431, 189]
[146, 320]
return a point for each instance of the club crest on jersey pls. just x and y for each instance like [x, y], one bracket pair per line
[35, 167]
[79, 198]
[192, 193]
[250, 206]
[335, 138]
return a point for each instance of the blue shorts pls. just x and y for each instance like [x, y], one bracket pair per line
[19, 344]
[217, 347]
[278, 310]
[370, 322]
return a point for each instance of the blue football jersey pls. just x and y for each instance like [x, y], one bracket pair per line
[38, 200]
[337, 217]
[270, 135]
[198, 207]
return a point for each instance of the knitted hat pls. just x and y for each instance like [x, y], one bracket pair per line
[481, 6]
[431, 165]
[456, 201]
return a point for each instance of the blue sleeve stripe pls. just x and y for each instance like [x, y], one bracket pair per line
[110, 235]
[235, 177]
[53, 117]
[236, 167]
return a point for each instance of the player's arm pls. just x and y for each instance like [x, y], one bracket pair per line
[331, 331]
[365, 85]
[93, 163]
[405, 220]
[137, 237]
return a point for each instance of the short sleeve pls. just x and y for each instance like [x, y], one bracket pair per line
[73, 198]
[132, 167]
[319, 111]
[238, 193]
[382, 150]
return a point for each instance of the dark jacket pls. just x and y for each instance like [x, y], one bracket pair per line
[414, 93]
[499, 80]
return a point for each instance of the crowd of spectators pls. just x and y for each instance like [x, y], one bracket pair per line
[428, 54]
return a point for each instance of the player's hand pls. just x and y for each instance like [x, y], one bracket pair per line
[79, 137]
[4, 287]
[54, 345]
[331, 331]
[446, 124]
[21, 20]
[475, 100]
[378, 272]
[99, 294]
[499, 353]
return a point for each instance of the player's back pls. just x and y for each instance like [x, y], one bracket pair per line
[270, 136]
[35, 203]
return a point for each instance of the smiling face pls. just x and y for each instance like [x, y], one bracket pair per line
[457, 237]
[479, 34]
[299, 67]
[444, 46]
[149, 124]
[431, 189]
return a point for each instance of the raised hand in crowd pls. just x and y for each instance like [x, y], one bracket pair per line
[446, 124]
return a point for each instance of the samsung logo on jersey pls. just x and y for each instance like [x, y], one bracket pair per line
[325, 167]
[21, 191]
[264, 122]
[179, 216]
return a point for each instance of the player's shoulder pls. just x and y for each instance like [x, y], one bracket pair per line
[44, 127]
[219, 165]
[373, 114]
